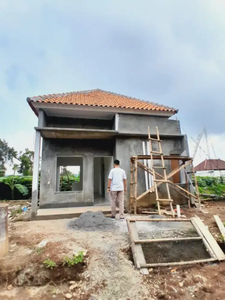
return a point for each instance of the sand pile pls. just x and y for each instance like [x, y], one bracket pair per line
[92, 221]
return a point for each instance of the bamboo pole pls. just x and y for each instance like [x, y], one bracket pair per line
[135, 185]
[131, 186]
[196, 186]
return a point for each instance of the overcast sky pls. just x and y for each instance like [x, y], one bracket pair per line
[169, 52]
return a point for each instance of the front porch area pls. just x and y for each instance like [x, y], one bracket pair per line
[69, 212]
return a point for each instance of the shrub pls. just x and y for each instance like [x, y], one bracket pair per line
[76, 259]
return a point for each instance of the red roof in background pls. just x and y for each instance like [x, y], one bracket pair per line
[101, 98]
[210, 164]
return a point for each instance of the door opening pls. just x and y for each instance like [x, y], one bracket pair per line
[102, 167]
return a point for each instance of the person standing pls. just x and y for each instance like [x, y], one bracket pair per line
[117, 185]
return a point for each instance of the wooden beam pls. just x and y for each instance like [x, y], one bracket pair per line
[137, 251]
[159, 220]
[209, 238]
[220, 226]
[178, 263]
[168, 240]
[135, 186]
[182, 189]
[207, 245]
[166, 157]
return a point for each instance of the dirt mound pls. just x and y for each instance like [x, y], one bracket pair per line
[92, 221]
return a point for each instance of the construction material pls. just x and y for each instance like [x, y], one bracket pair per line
[194, 238]
[92, 221]
[178, 211]
[220, 226]
[137, 251]
[164, 179]
[151, 169]
[197, 222]
[211, 247]
[192, 262]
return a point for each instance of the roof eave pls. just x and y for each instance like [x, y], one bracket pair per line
[35, 106]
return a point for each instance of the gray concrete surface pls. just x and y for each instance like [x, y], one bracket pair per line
[116, 147]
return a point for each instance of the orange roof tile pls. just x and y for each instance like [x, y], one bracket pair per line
[101, 98]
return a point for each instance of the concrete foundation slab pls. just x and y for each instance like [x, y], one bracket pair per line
[69, 212]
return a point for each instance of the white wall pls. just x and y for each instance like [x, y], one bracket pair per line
[210, 173]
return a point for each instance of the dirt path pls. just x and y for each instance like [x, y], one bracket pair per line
[107, 271]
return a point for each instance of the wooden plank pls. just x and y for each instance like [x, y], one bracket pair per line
[220, 226]
[166, 157]
[207, 235]
[160, 220]
[179, 263]
[168, 240]
[207, 245]
[136, 249]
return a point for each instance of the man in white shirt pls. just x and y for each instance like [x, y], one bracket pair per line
[117, 185]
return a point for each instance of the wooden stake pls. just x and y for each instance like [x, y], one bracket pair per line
[196, 186]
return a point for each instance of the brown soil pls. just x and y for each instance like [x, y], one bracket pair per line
[108, 272]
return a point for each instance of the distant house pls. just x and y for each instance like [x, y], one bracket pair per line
[211, 167]
[83, 132]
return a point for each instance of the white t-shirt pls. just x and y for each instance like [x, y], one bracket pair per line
[117, 175]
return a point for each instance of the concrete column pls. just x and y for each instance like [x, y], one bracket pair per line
[41, 123]
[117, 122]
[35, 175]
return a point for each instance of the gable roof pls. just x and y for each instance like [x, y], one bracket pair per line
[100, 98]
[210, 164]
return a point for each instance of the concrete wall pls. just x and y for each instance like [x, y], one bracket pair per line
[139, 124]
[120, 148]
[87, 149]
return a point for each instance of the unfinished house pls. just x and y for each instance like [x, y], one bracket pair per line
[81, 133]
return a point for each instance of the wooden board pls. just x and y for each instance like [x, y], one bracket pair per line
[137, 250]
[220, 225]
[209, 238]
[191, 262]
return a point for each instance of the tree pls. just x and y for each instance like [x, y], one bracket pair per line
[11, 182]
[6, 156]
[26, 162]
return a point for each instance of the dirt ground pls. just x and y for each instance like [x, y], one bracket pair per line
[107, 271]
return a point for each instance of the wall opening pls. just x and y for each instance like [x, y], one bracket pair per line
[102, 167]
[69, 174]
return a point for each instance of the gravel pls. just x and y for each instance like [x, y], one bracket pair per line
[92, 221]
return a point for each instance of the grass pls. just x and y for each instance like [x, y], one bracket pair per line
[49, 264]
[16, 212]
